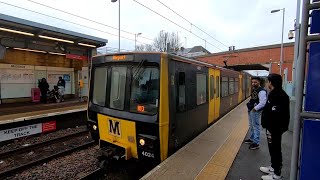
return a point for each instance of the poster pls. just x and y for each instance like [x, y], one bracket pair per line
[15, 76]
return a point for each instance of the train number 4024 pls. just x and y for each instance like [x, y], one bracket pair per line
[148, 154]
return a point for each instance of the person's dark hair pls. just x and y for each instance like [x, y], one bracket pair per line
[256, 78]
[60, 77]
[275, 80]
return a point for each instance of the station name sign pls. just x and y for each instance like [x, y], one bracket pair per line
[18, 66]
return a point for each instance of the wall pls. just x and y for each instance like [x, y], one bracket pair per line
[21, 70]
[16, 81]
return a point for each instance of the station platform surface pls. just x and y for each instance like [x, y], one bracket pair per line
[26, 111]
[215, 155]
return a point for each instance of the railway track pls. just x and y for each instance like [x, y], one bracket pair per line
[18, 159]
[93, 175]
[44, 143]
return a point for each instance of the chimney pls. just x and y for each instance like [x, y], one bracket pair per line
[232, 48]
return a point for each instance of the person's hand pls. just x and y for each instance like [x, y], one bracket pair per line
[254, 110]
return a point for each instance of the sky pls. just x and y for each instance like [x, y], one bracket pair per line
[243, 24]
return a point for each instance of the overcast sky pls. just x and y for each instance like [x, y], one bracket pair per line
[242, 23]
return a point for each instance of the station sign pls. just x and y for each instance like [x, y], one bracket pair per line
[23, 131]
[78, 57]
[49, 126]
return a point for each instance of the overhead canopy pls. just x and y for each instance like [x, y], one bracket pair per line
[17, 24]
[248, 67]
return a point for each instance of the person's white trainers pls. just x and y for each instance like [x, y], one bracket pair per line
[271, 177]
[267, 170]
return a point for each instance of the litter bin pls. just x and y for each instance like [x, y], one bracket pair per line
[35, 94]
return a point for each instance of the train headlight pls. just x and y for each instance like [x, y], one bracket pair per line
[142, 142]
[94, 127]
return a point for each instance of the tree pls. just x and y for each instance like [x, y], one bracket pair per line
[140, 47]
[147, 47]
[160, 42]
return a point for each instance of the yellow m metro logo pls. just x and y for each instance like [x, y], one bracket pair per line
[114, 128]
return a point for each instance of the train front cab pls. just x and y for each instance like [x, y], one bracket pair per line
[130, 110]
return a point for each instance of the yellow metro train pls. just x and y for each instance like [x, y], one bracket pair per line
[148, 105]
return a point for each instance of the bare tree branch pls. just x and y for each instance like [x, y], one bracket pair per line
[149, 47]
[140, 47]
[160, 42]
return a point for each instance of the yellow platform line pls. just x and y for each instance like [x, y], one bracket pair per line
[40, 114]
[218, 166]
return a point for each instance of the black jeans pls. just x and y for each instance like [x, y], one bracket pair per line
[274, 144]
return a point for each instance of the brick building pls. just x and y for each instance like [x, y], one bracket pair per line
[268, 56]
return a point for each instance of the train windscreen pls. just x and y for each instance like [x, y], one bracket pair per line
[143, 88]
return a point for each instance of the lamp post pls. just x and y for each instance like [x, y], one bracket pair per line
[135, 41]
[281, 53]
[119, 21]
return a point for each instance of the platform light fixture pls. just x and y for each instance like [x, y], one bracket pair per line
[88, 45]
[15, 31]
[61, 54]
[56, 39]
[32, 50]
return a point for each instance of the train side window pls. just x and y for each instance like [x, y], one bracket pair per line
[231, 85]
[99, 86]
[201, 89]
[243, 83]
[211, 87]
[181, 92]
[236, 85]
[218, 86]
[224, 87]
[118, 85]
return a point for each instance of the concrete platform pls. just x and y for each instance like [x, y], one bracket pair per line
[219, 153]
[247, 163]
[11, 113]
[211, 154]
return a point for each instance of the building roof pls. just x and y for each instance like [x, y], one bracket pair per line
[192, 52]
[42, 29]
[199, 49]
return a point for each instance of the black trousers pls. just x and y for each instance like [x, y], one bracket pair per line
[43, 97]
[274, 144]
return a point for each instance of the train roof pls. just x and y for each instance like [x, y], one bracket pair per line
[172, 55]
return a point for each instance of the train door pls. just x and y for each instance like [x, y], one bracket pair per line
[217, 94]
[211, 87]
[240, 88]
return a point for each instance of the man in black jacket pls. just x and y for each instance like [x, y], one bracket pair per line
[275, 118]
